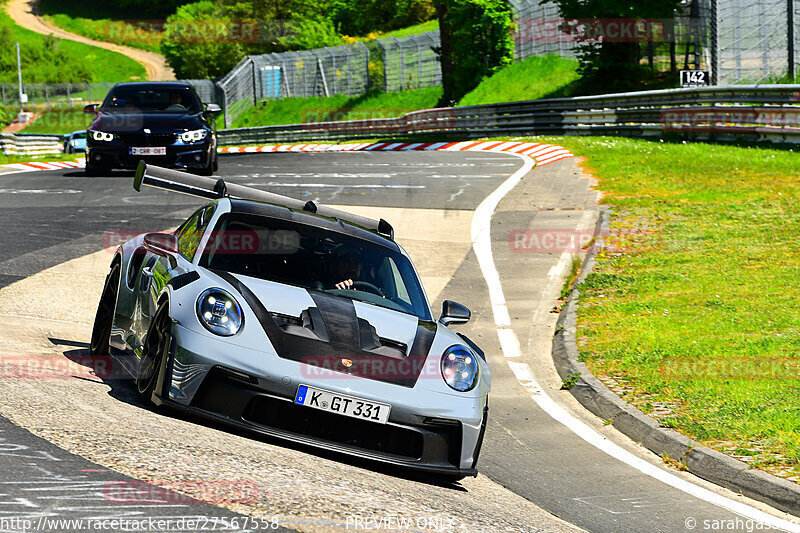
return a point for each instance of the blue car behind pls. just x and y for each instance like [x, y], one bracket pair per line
[75, 142]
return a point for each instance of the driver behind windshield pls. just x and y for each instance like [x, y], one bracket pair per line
[175, 103]
[346, 267]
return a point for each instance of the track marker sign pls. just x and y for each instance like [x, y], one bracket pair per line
[694, 78]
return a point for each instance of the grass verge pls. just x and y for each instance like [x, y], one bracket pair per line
[690, 313]
[536, 77]
[338, 107]
[9, 159]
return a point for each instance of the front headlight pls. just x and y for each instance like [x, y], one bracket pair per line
[194, 135]
[460, 368]
[219, 312]
[102, 136]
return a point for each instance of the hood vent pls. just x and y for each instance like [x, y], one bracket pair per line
[330, 334]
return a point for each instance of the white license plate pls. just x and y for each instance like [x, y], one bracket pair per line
[342, 404]
[149, 150]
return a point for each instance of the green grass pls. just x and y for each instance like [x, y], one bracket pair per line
[111, 30]
[8, 159]
[422, 27]
[57, 120]
[536, 77]
[338, 107]
[430, 25]
[102, 21]
[49, 60]
[692, 308]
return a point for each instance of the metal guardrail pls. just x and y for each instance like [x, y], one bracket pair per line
[745, 112]
[30, 144]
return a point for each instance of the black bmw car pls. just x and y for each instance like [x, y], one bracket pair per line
[162, 123]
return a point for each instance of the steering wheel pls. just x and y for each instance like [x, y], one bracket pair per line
[369, 287]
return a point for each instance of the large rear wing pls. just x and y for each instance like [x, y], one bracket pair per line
[175, 180]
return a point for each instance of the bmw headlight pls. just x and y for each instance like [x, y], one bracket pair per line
[194, 135]
[460, 368]
[102, 136]
[219, 312]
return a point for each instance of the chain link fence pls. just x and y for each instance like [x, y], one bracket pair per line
[320, 72]
[755, 41]
[54, 94]
[411, 62]
[538, 31]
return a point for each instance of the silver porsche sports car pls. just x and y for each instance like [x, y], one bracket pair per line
[296, 321]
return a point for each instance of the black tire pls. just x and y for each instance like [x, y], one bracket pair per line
[215, 166]
[92, 172]
[157, 343]
[207, 170]
[104, 318]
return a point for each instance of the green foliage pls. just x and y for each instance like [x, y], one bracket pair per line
[46, 59]
[6, 116]
[476, 42]
[285, 24]
[536, 77]
[570, 381]
[613, 66]
[302, 34]
[361, 17]
[189, 58]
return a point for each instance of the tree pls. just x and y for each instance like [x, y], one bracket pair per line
[192, 44]
[285, 24]
[476, 41]
[361, 17]
[610, 62]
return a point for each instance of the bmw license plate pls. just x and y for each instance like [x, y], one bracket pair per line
[341, 404]
[149, 150]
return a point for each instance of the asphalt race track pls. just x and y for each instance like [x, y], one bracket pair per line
[64, 442]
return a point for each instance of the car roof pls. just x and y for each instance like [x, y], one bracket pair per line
[310, 219]
[154, 84]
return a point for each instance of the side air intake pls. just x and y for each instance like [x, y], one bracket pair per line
[174, 180]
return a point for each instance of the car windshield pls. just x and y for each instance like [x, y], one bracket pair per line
[315, 259]
[81, 135]
[154, 99]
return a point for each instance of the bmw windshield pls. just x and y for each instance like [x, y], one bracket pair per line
[155, 99]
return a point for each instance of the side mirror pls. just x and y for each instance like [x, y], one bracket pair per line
[90, 109]
[454, 313]
[163, 244]
[213, 108]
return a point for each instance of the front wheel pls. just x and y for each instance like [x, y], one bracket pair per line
[104, 318]
[209, 169]
[154, 353]
[91, 171]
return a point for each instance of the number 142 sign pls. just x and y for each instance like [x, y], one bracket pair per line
[694, 78]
